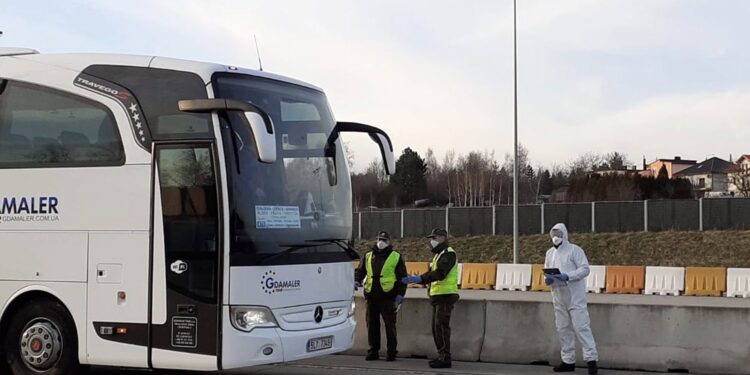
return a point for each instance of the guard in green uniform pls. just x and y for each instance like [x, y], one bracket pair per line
[383, 268]
[443, 288]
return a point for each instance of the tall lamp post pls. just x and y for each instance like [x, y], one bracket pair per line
[516, 244]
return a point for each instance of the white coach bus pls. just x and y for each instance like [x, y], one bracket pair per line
[169, 214]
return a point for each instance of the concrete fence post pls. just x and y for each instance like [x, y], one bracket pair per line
[593, 217]
[645, 215]
[359, 225]
[494, 220]
[542, 215]
[700, 214]
[402, 223]
[447, 219]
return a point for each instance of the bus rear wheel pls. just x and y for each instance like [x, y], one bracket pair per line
[41, 340]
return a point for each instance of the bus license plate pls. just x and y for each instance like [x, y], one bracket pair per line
[320, 343]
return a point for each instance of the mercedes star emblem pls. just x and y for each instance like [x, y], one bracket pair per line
[318, 314]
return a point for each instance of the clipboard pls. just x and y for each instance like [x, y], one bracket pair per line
[552, 272]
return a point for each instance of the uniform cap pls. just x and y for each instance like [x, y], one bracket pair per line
[438, 232]
[384, 236]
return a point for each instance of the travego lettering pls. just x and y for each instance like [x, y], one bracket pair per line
[116, 93]
[29, 206]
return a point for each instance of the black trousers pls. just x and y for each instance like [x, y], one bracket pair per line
[441, 328]
[385, 308]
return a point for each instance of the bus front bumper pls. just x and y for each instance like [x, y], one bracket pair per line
[273, 345]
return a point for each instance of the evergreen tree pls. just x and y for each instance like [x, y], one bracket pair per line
[545, 185]
[663, 174]
[410, 177]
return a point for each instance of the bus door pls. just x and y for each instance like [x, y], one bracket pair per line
[186, 261]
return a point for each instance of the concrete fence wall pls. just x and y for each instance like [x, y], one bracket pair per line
[652, 215]
[420, 222]
[619, 216]
[655, 334]
[529, 219]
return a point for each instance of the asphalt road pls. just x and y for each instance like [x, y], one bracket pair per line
[347, 365]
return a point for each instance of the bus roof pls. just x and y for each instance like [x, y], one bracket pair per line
[79, 61]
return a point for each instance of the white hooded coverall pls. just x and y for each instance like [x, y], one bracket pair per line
[571, 313]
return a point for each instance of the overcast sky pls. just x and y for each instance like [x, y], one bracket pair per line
[652, 77]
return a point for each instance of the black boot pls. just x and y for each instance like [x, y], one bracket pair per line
[564, 367]
[440, 363]
[372, 356]
[390, 357]
[593, 369]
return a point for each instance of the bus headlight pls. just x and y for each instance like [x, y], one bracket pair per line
[247, 318]
[353, 308]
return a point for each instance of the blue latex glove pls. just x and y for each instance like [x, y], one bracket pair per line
[563, 277]
[548, 281]
[357, 285]
[399, 299]
[412, 279]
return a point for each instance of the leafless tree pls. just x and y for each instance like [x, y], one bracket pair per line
[349, 155]
[585, 163]
[739, 177]
[371, 188]
[448, 170]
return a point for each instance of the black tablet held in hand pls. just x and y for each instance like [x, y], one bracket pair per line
[551, 271]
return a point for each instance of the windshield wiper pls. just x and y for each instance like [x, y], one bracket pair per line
[291, 248]
[342, 243]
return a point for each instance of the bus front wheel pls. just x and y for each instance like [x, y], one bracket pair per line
[41, 339]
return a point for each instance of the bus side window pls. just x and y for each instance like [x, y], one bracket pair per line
[42, 127]
[171, 201]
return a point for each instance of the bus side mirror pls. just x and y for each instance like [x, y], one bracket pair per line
[263, 133]
[259, 122]
[386, 150]
[377, 135]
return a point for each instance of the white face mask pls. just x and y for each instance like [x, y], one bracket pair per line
[434, 243]
[557, 240]
[382, 245]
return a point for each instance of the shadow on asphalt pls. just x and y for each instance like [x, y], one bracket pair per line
[120, 371]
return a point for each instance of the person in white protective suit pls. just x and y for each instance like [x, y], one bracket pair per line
[569, 300]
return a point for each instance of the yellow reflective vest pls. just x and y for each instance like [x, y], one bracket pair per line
[387, 273]
[448, 285]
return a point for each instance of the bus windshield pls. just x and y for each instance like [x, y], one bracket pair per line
[302, 198]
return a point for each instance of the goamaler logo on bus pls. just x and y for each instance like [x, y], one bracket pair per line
[270, 285]
[29, 209]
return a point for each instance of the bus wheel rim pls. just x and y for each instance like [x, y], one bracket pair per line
[41, 345]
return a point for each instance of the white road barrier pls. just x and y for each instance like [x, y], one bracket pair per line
[597, 279]
[738, 282]
[460, 272]
[513, 277]
[665, 281]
